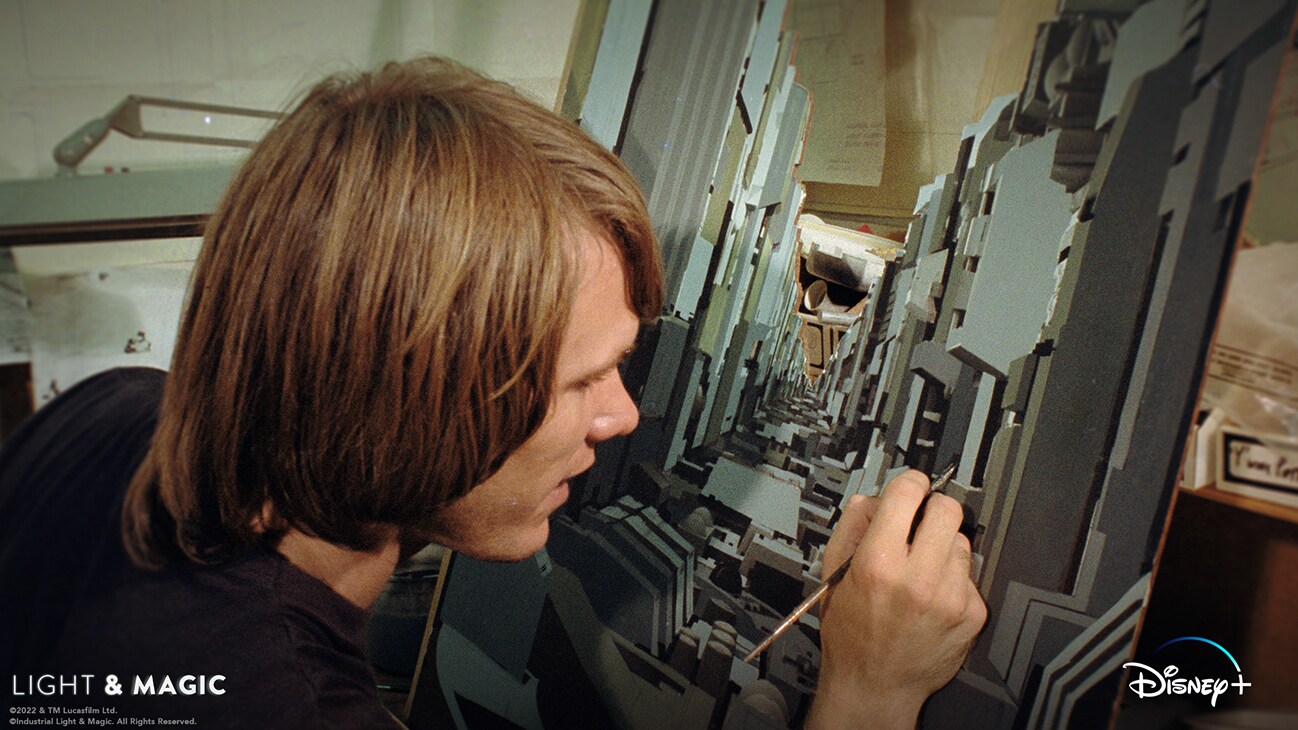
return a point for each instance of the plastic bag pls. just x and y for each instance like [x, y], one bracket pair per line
[1253, 367]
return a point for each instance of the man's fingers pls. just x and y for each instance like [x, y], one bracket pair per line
[962, 554]
[965, 603]
[857, 515]
[896, 512]
[932, 544]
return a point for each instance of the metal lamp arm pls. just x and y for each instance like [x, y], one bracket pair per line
[126, 118]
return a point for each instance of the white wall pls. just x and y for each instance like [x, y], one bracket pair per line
[64, 62]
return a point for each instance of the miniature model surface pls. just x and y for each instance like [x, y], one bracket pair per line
[1042, 326]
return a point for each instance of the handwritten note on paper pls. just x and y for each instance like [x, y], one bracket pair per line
[1250, 467]
[1244, 368]
[841, 61]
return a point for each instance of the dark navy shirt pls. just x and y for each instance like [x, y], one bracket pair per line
[251, 642]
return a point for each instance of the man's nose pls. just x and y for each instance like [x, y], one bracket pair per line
[617, 414]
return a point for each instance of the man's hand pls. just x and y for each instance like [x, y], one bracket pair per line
[899, 624]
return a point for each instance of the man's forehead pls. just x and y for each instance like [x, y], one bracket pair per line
[602, 325]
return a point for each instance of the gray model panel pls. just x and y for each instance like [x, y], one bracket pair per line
[1034, 331]
[1015, 278]
[615, 64]
[680, 114]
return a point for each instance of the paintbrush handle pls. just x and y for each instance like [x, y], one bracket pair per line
[814, 597]
[801, 608]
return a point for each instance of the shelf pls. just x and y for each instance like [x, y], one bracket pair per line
[1251, 504]
[1228, 571]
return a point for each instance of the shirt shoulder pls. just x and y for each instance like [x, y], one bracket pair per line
[286, 653]
[62, 476]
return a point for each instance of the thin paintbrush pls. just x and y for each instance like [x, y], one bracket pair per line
[829, 582]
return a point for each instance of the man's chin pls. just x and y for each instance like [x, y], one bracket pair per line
[508, 549]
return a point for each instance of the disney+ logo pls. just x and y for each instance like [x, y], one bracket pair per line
[1150, 682]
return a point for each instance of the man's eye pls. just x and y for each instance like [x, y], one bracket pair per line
[593, 380]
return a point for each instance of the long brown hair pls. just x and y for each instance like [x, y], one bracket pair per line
[375, 315]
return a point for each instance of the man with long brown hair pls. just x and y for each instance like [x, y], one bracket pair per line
[405, 325]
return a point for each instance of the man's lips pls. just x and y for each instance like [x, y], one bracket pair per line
[582, 470]
[557, 496]
[555, 499]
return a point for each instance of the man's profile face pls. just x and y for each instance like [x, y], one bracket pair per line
[507, 516]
